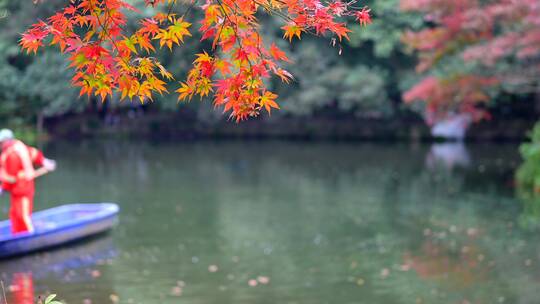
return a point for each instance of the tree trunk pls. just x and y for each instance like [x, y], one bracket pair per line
[39, 125]
[537, 101]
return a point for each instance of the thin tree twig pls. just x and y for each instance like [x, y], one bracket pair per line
[3, 291]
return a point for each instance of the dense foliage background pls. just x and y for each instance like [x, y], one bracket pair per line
[365, 81]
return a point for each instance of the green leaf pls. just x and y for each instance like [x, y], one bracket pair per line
[130, 43]
[49, 299]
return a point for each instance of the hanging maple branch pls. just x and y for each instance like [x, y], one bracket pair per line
[107, 59]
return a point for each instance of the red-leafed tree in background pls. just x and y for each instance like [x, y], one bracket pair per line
[472, 49]
[107, 58]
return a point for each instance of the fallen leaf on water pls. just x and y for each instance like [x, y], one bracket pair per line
[95, 273]
[405, 267]
[213, 268]
[472, 232]
[176, 291]
[263, 279]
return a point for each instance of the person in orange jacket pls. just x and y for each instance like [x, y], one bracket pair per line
[17, 174]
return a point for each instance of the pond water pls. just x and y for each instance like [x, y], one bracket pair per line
[288, 222]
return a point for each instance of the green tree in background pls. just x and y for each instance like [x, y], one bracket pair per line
[33, 88]
[30, 88]
[365, 77]
[528, 179]
[327, 82]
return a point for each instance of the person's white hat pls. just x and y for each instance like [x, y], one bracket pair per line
[6, 134]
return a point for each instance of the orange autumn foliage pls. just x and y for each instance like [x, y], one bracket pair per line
[108, 59]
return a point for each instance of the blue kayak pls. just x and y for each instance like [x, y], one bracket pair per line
[57, 226]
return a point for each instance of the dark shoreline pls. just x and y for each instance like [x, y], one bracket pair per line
[175, 126]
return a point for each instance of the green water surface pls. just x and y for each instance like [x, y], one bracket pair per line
[285, 222]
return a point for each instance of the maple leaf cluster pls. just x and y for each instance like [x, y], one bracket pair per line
[108, 59]
[481, 33]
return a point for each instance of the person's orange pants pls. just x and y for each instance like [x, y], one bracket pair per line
[20, 213]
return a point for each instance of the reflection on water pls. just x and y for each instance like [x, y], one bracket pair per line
[292, 223]
[71, 264]
[449, 155]
[22, 288]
